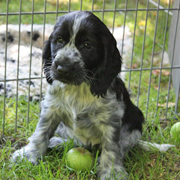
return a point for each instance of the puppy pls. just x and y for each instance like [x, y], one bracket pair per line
[86, 100]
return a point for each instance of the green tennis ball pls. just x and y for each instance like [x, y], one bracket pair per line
[175, 131]
[79, 159]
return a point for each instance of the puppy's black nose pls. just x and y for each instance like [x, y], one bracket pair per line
[63, 67]
[60, 69]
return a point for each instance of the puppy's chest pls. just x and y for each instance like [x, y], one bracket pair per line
[83, 114]
[81, 109]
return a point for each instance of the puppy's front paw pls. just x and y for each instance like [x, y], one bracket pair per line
[26, 153]
[121, 174]
[111, 177]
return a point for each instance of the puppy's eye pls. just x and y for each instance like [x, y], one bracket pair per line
[87, 45]
[60, 40]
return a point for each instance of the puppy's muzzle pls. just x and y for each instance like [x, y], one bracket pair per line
[64, 67]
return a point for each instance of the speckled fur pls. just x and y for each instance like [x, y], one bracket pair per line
[93, 109]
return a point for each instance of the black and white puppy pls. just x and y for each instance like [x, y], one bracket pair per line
[86, 100]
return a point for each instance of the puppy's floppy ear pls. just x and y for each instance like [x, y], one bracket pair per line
[108, 69]
[47, 60]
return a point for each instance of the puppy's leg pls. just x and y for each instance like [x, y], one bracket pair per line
[128, 139]
[56, 141]
[39, 141]
[111, 165]
[113, 152]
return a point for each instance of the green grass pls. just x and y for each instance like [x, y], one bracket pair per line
[51, 9]
[52, 167]
[139, 163]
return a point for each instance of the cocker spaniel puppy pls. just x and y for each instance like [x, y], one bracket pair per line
[86, 100]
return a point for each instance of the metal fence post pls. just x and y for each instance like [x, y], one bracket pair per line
[174, 52]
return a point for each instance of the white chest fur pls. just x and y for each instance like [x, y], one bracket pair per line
[85, 115]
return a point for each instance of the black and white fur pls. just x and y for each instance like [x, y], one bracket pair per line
[86, 100]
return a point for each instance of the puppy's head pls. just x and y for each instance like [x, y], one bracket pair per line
[81, 49]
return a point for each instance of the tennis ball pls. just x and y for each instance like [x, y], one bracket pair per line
[79, 159]
[175, 130]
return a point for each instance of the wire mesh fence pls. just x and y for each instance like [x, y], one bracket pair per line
[141, 28]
